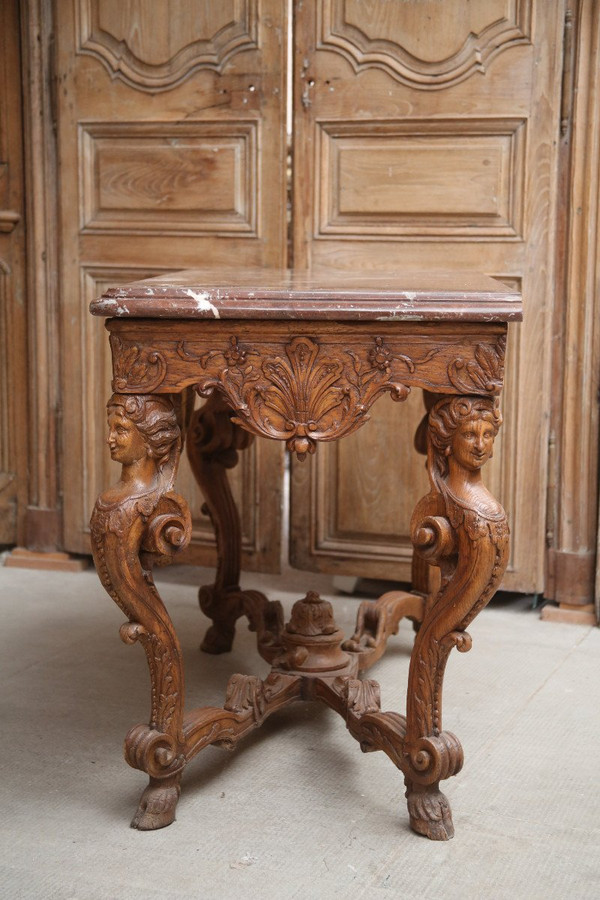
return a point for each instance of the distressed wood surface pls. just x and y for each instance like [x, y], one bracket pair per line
[171, 120]
[304, 382]
[426, 138]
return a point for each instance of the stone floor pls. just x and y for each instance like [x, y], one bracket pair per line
[297, 811]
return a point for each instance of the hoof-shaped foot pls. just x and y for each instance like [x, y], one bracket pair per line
[429, 812]
[157, 804]
[217, 640]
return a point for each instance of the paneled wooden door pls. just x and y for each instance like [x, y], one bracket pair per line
[425, 138]
[172, 154]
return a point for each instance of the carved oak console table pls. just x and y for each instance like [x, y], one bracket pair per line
[301, 357]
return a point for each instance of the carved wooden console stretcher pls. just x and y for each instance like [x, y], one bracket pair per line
[301, 357]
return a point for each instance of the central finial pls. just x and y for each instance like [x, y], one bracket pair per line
[312, 616]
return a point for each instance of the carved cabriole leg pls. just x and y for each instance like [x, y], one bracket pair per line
[462, 529]
[138, 523]
[213, 443]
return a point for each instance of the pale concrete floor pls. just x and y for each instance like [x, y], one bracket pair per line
[297, 811]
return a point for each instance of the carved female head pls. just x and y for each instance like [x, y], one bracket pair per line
[464, 428]
[141, 426]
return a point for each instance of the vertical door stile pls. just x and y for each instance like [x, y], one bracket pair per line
[426, 139]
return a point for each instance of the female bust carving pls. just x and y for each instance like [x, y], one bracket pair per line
[145, 438]
[462, 432]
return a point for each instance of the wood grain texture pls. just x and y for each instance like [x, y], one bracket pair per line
[298, 382]
[171, 127]
[576, 360]
[252, 482]
[13, 335]
[365, 211]
[467, 38]
[157, 53]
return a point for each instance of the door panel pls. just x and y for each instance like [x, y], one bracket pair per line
[172, 148]
[425, 139]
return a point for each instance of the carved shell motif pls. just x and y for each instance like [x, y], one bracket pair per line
[305, 396]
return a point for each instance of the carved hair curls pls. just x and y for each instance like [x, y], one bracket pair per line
[155, 419]
[449, 414]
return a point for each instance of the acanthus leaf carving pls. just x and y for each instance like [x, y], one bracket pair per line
[469, 544]
[305, 396]
[485, 373]
[136, 369]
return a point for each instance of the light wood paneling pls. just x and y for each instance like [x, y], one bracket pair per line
[171, 136]
[170, 177]
[412, 178]
[425, 138]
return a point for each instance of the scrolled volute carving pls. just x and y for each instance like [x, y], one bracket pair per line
[433, 758]
[152, 751]
[485, 373]
[306, 395]
[136, 368]
[168, 530]
[460, 527]
[433, 537]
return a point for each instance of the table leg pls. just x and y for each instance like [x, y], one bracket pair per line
[138, 523]
[462, 529]
[213, 442]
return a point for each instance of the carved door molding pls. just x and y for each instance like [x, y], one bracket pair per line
[172, 148]
[343, 26]
[218, 35]
[423, 143]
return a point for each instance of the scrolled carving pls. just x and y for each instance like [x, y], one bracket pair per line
[434, 538]
[460, 527]
[435, 757]
[485, 373]
[136, 368]
[169, 530]
[306, 396]
[153, 751]
[136, 523]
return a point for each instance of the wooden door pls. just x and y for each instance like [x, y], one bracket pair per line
[13, 368]
[425, 138]
[172, 154]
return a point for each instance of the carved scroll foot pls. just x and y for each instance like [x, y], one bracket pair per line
[429, 811]
[136, 524]
[217, 640]
[158, 804]
[461, 531]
